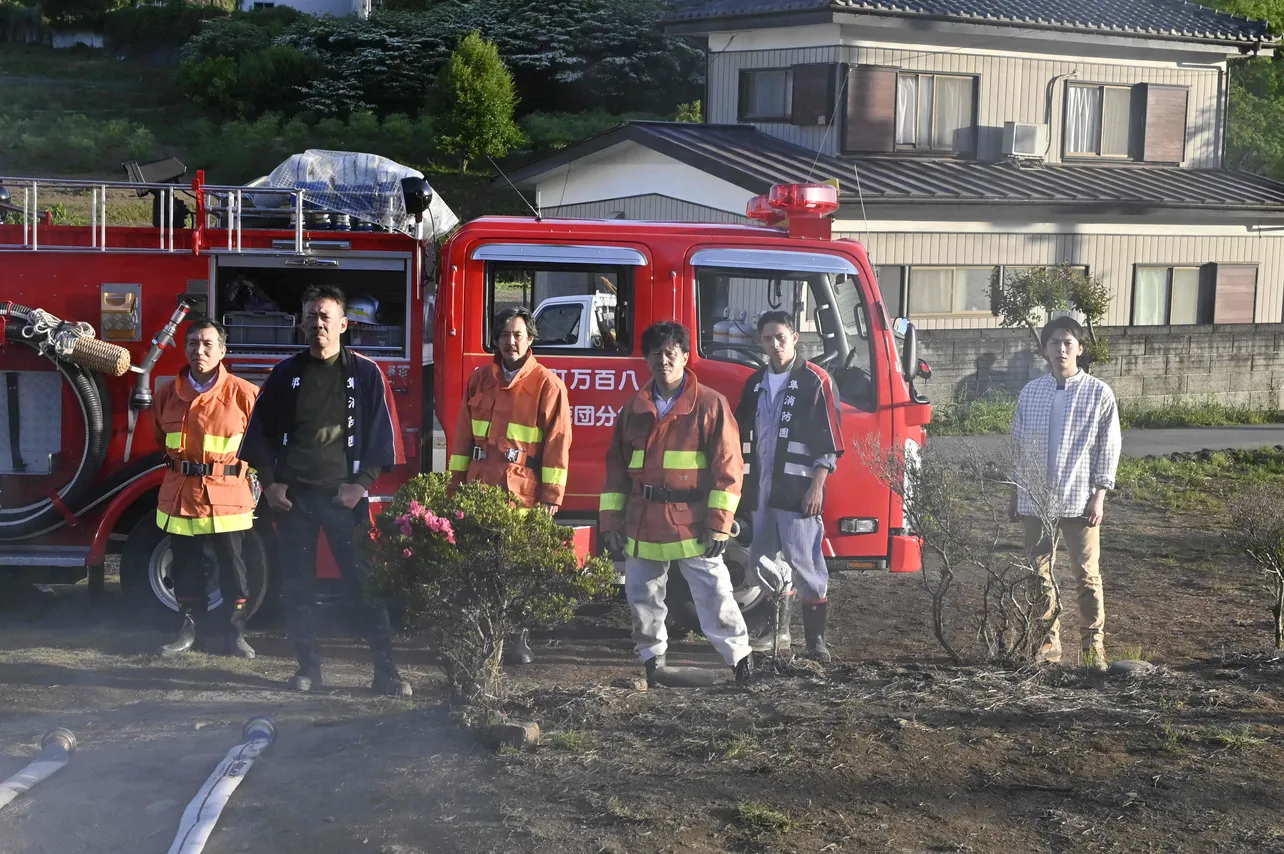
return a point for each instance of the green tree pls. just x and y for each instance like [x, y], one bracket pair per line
[475, 103]
[1027, 297]
[692, 113]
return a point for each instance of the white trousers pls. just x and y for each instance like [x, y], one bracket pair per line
[645, 582]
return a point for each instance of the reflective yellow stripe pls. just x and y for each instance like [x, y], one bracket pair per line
[665, 551]
[556, 477]
[173, 441]
[481, 428]
[635, 462]
[612, 501]
[685, 460]
[719, 500]
[185, 527]
[222, 444]
[522, 433]
[458, 462]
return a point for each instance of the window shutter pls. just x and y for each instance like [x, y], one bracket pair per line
[813, 96]
[1236, 298]
[1165, 136]
[870, 123]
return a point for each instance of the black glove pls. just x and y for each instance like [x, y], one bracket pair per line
[715, 543]
[615, 543]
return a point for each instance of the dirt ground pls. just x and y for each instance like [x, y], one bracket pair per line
[891, 750]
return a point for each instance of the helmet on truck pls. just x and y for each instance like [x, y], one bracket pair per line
[362, 308]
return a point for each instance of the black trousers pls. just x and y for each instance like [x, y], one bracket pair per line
[191, 571]
[347, 532]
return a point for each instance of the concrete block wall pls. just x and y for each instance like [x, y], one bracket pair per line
[1237, 365]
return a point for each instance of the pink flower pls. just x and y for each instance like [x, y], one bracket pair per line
[404, 523]
[407, 553]
[459, 514]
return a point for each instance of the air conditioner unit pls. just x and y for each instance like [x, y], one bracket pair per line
[1021, 139]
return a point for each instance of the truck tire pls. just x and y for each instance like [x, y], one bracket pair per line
[754, 604]
[145, 566]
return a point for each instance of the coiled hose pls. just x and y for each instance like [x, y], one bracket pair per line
[91, 394]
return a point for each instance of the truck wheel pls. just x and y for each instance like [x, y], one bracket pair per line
[755, 606]
[145, 570]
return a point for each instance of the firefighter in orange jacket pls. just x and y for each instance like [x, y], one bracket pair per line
[673, 477]
[206, 498]
[514, 430]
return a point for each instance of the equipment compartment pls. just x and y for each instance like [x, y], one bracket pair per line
[261, 301]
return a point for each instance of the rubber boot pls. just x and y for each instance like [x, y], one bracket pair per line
[186, 635]
[518, 650]
[814, 617]
[308, 676]
[744, 668]
[236, 644]
[651, 664]
[387, 679]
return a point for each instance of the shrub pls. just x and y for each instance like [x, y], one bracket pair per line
[1027, 297]
[551, 131]
[475, 100]
[76, 13]
[74, 143]
[212, 83]
[233, 36]
[471, 568]
[150, 27]
[1256, 529]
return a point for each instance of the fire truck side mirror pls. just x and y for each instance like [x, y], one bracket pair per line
[905, 330]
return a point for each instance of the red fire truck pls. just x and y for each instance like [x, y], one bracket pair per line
[79, 469]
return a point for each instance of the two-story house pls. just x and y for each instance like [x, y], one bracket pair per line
[969, 137]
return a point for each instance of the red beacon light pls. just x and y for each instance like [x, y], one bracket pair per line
[760, 210]
[802, 208]
[808, 200]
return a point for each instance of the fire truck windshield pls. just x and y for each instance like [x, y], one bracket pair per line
[829, 313]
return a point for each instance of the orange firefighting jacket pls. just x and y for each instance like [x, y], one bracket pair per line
[517, 436]
[694, 450]
[204, 429]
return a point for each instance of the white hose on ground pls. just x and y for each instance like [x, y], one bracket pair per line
[55, 751]
[202, 813]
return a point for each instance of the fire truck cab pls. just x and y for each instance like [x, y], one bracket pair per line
[80, 469]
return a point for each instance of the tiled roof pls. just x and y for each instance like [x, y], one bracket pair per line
[1158, 18]
[755, 160]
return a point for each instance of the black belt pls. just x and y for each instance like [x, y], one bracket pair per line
[187, 467]
[512, 455]
[664, 495]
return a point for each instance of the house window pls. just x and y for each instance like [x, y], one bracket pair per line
[766, 95]
[935, 112]
[891, 285]
[1098, 121]
[1164, 296]
[950, 290]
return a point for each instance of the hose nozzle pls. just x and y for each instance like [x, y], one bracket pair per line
[260, 728]
[59, 736]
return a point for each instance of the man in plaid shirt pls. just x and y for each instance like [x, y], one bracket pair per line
[1067, 441]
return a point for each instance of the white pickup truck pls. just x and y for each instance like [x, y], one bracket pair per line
[585, 321]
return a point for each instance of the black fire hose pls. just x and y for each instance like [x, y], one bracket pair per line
[91, 395]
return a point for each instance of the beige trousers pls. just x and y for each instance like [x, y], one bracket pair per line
[1084, 546]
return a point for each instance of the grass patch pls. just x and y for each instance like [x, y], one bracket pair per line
[738, 746]
[1240, 738]
[988, 414]
[992, 413]
[1197, 482]
[1129, 653]
[761, 818]
[571, 740]
[621, 811]
[1206, 413]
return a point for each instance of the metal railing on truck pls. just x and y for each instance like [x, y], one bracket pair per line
[217, 208]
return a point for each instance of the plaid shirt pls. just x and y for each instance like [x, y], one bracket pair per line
[1089, 451]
